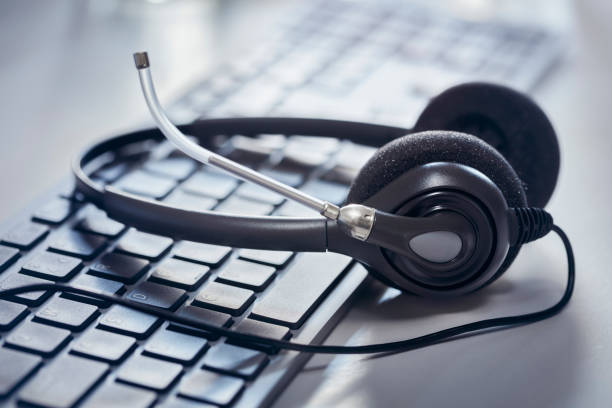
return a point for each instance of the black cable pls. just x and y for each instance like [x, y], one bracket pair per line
[401, 345]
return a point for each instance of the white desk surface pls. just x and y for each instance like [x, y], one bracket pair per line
[67, 78]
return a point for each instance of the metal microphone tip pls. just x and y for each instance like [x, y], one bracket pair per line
[141, 59]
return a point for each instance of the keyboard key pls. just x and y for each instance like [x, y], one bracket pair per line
[210, 184]
[55, 211]
[247, 275]
[212, 255]
[178, 168]
[233, 360]
[96, 222]
[115, 395]
[261, 329]
[180, 274]
[94, 284]
[144, 245]
[174, 402]
[191, 202]
[11, 314]
[224, 298]
[253, 151]
[149, 372]
[272, 258]
[119, 267]
[7, 256]
[326, 190]
[153, 294]
[122, 320]
[29, 298]
[286, 177]
[16, 367]
[66, 314]
[74, 243]
[203, 315]
[300, 289]
[38, 338]
[210, 387]
[52, 266]
[63, 382]
[111, 172]
[257, 193]
[174, 346]
[103, 345]
[237, 205]
[144, 184]
[302, 162]
[25, 235]
[295, 209]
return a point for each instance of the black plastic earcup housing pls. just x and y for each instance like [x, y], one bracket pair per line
[507, 120]
[418, 149]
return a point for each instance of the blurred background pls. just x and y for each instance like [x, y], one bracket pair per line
[67, 78]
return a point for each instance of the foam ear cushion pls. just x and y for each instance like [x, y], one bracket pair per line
[507, 120]
[402, 154]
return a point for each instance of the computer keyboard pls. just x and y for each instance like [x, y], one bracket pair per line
[367, 61]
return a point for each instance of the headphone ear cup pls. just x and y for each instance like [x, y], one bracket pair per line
[507, 120]
[402, 154]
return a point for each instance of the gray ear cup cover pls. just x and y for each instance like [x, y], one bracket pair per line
[507, 120]
[402, 154]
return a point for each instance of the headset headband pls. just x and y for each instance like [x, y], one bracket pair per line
[268, 232]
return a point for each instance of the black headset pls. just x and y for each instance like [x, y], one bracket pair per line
[455, 198]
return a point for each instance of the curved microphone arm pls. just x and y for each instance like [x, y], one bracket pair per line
[205, 156]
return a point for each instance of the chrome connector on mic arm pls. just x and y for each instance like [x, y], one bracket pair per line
[357, 220]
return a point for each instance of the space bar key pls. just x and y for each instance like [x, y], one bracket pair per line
[300, 289]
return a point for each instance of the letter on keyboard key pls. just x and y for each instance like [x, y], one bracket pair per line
[144, 245]
[153, 294]
[38, 338]
[63, 382]
[174, 346]
[224, 298]
[180, 274]
[300, 289]
[119, 395]
[74, 243]
[52, 266]
[127, 321]
[10, 314]
[234, 360]
[16, 366]
[103, 345]
[119, 267]
[149, 372]
[210, 387]
[212, 255]
[55, 211]
[247, 275]
[66, 314]
[7, 256]
[25, 235]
